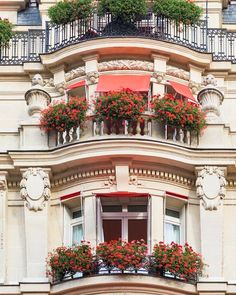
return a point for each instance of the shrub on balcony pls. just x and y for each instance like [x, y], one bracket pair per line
[180, 261]
[182, 11]
[121, 254]
[178, 113]
[62, 116]
[6, 32]
[120, 105]
[65, 261]
[127, 11]
[69, 10]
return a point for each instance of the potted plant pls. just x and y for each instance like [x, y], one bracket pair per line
[6, 32]
[69, 10]
[122, 255]
[116, 107]
[180, 261]
[124, 13]
[181, 11]
[63, 116]
[66, 261]
[178, 113]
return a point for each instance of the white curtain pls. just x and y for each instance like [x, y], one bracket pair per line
[172, 233]
[77, 234]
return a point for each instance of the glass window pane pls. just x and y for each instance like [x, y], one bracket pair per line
[76, 214]
[172, 213]
[112, 208]
[77, 234]
[172, 233]
[112, 229]
[137, 229]
[137, 208]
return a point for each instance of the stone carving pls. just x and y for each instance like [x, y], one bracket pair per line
[210, 81]
[211, 98]
[92, 77]
[75, 73]
[48, 82]
[194, 86]
[111, 181]
[178, 73]
[158, 76]
[35, 188]
[3, 185]
[37, 80]
[61, 87]
[133, 180]
[211, 186]
[125, 64]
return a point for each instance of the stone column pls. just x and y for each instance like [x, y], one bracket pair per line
[157, 219]
[92, 75]
[35, 191]
[160, 63]
[211, 192]
[3, 225]
[211, 98]
[90, 222]
[37, 99]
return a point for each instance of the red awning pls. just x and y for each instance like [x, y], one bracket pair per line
[184, 91]
[76, 85]
[69, 196]
[122, 194]
[108, 83]
[177, 195]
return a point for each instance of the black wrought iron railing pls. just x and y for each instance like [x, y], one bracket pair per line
[148, 269]
[27, 46]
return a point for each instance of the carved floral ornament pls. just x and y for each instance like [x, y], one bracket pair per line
[35, 188]
[211, 187]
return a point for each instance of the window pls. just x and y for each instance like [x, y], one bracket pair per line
[76, 227]
[124, 219]
[172, 226]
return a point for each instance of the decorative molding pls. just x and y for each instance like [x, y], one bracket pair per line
[75, 73]
[211, 186]
[195, 87]
[209, 81]
[3, 185]
[133, 180]
[162, 175]
[60, 87]
[35, 188]
[158, 76]
[92, 77]
[125, 64]
[111, 181]
[178, 73]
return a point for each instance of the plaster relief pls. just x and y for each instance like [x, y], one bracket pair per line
[35, 188]
[125, 64]
[211, 187]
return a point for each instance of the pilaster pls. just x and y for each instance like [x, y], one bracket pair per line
[160, 63]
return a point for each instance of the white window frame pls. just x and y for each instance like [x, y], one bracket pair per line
[124, 216]
[177, 221]
[74, 222]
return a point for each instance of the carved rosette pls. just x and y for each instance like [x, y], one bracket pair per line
[37, 98]
[211, 98]
[35, 188]
[211, 187]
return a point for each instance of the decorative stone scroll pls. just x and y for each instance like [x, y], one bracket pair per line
[125, 64]
[75, 73]
[158, 76]
[178, 73]
[211, 98]
[92, 77]
[211, 186]
[35, 188]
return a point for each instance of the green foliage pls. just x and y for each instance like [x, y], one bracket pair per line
[69, 10]
[179, 10]
[123, 10]
[6, 32]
